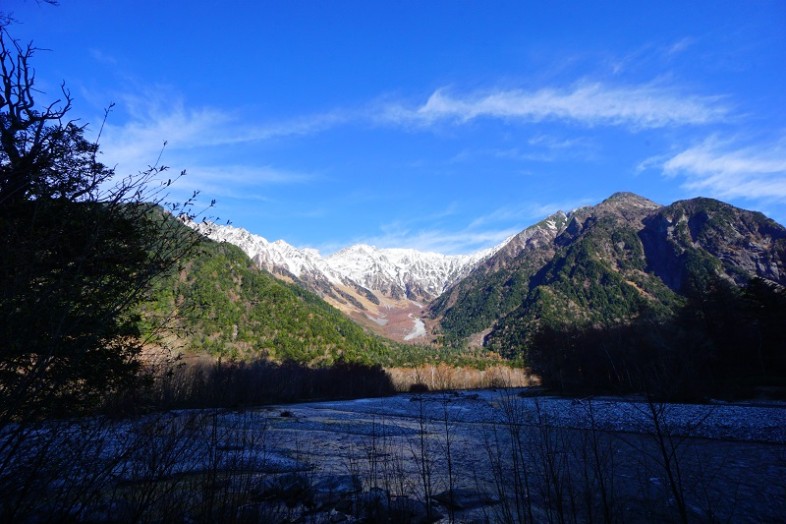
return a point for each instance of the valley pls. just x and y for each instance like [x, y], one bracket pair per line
[566, 297]
[400, 320]
[491, 456]
[492, 263]
[385, 290]
[630, 253]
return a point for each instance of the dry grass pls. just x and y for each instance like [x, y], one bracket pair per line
[445, 377]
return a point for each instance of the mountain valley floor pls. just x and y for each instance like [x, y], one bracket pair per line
[482, 456]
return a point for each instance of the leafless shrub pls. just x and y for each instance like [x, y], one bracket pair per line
[422, 453]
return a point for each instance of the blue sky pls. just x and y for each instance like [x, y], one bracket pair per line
[441, 126]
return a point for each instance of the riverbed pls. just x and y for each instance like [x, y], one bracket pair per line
[481, 456]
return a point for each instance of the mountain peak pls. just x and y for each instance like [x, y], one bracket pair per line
[628, 206]
[359, 249]
[627, 198]
[395, 272]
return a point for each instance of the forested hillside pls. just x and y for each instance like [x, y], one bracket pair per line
[634, 295]
[220, 303]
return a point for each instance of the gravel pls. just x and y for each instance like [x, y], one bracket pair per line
[716, 420]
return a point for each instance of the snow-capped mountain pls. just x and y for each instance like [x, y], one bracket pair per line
[276, 257]
[395, 273]
[383, 288]
[401, 273]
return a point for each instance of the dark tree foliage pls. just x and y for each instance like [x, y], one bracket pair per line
[725, 341]
[77, 249]
[41, 156]
[261, 381]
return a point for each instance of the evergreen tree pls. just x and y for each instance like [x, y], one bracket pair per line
[77, 250]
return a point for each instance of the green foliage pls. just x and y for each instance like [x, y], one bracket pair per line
[219, 303]
[485, 296]
[611, 271]
[723, 342]
[483, 299]
[595, 280]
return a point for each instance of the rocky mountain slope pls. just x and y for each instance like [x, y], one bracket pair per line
[384, 289]
[608, 264]
[600, 265]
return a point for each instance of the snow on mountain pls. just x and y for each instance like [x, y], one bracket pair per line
[403, 272]
[276, 257]
[395, 273]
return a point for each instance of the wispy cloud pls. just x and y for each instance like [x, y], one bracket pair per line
[555, 143]
[726, 170]
[228, 183]
[530, 212]
[139, 141]
[158, 115]
[159, 129]
[539, 148]
[102, 57]
[238, 181]
[649, 55]
[480, 233]
[636, 106]
[680, 46]
[191, 139]
[441, 241]
[157, 118]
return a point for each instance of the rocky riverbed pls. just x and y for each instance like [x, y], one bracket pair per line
[655, 461]
[485, 456]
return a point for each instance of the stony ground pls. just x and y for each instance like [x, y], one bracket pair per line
[486, 456]
[728, 462]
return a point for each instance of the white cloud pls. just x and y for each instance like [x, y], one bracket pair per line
[680, 46]
[160, 130]
[239, 181]
[102, 57]
[555, 143]
[249, 184]
[441, 241]
[158, 117]
[638, 106]
[727, 171]
[139, 141]
[539, 148]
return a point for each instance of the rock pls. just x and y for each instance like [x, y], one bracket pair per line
[336, 491]
[372, 505]
[462, 499]
[291, 489]
[405, 509]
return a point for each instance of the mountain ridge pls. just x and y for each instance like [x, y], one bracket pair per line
[383, 289]
[628, 252]
[608, 264]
